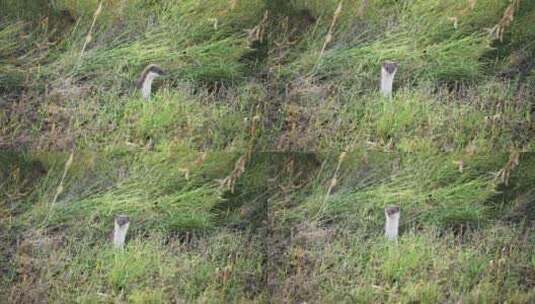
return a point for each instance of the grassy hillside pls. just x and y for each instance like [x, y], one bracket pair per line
[259, 169]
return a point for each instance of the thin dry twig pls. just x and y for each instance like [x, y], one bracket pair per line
[329, 36]
[89, 36]
[333, 183]
[59, 190]
[334, 180]
[229, 182]
[257, 33]
[504, 174]
[496, 33]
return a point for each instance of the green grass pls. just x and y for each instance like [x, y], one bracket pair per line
[271, 114]
[185, 241]
[149, 271]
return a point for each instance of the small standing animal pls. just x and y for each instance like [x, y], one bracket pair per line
[120, 229]
[144, 82]
[392, 222]
[388, 71]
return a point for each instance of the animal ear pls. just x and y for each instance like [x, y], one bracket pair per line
[390, 67]
[156, 69]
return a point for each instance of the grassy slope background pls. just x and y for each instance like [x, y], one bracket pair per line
[259, 170]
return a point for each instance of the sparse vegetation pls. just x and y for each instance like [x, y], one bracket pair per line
[259, 170]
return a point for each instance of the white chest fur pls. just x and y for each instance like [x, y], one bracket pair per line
[387, 81]
[146, 88]
[119, 233]
[392, 223]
